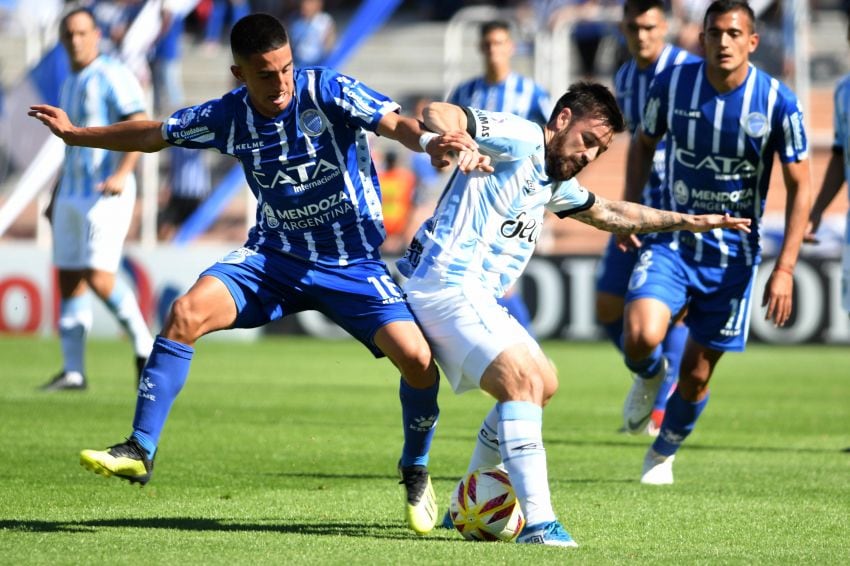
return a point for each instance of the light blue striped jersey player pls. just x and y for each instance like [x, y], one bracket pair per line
[485, 227]
[516, 95]
[102, 93]
[631, 85]
[842, 131]
[720, 154]
[310, 167]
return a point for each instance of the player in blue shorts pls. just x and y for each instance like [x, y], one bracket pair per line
[724, 121]
[501, 89]
[644, 26]
[301, 137]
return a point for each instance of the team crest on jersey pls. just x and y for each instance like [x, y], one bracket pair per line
[237, 256]
[681, 192]
[312, 123]
[187, 117]
[755, 124]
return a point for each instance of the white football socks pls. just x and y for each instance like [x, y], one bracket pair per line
[122, 302]
[521, 447]
[75, 320]
[486, 453]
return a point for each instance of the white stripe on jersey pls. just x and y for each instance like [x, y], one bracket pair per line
[252, 129]
[745, 110]
[692, 124]
[719, 107]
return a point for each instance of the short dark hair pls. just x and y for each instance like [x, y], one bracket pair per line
[593, 100]
[257, 33]
[640, 6]
[492, 25]
[725, 6]
[73, 12]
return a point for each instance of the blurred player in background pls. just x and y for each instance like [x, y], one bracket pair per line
[477, 244]
[301, 137]
[500, 89]
[644, 26]
[724, 121]
[92, 205]
[837, 173]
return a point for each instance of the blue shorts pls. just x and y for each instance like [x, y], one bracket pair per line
[614, 269]
[719, 299]
[268, 285]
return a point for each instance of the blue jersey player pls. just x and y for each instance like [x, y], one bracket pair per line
[480, 240]
[644, 26]
[725, 121]
[501, 89]
[301, 137]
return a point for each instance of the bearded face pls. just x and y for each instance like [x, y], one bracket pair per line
[574, 146]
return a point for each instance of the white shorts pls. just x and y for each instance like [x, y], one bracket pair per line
[845, 274]
[88, 233]
[467, 330]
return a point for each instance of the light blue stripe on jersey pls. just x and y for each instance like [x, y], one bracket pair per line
[631, 85]
[517, 95]
[720, 153]
[102, 93]
[310, 167]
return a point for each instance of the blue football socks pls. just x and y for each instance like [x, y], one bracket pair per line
[419, 414]
[673, 346]
[162, 379]
[648, 366]
[679, 421]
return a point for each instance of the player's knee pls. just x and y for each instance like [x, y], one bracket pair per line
[416, 363]
[183, 323]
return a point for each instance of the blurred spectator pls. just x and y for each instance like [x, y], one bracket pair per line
[229, 11]
[397, 186]
[114, 18]
[188, 183]
[312, 33]
[166, 62]
[592, 22]
[689, 15]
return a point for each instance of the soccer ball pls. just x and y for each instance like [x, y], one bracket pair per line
[484, 506]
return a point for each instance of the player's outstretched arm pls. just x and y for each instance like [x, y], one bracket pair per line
[621, 217]
[133, 135]
[411, 134]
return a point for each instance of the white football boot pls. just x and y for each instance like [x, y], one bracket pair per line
[637, 409]
[657, 469]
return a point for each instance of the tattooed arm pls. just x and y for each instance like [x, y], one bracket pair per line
[621, 217]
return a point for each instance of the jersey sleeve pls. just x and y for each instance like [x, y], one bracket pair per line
[125, 94]
[346, 99]
[788, 121]
[207, 125]
[569, 198]
[503, 136]
[654, 121]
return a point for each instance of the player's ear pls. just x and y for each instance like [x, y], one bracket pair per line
[236, 71]
[564, 118]
[754, 42]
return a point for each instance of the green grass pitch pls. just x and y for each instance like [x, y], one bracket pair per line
[283, 451]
